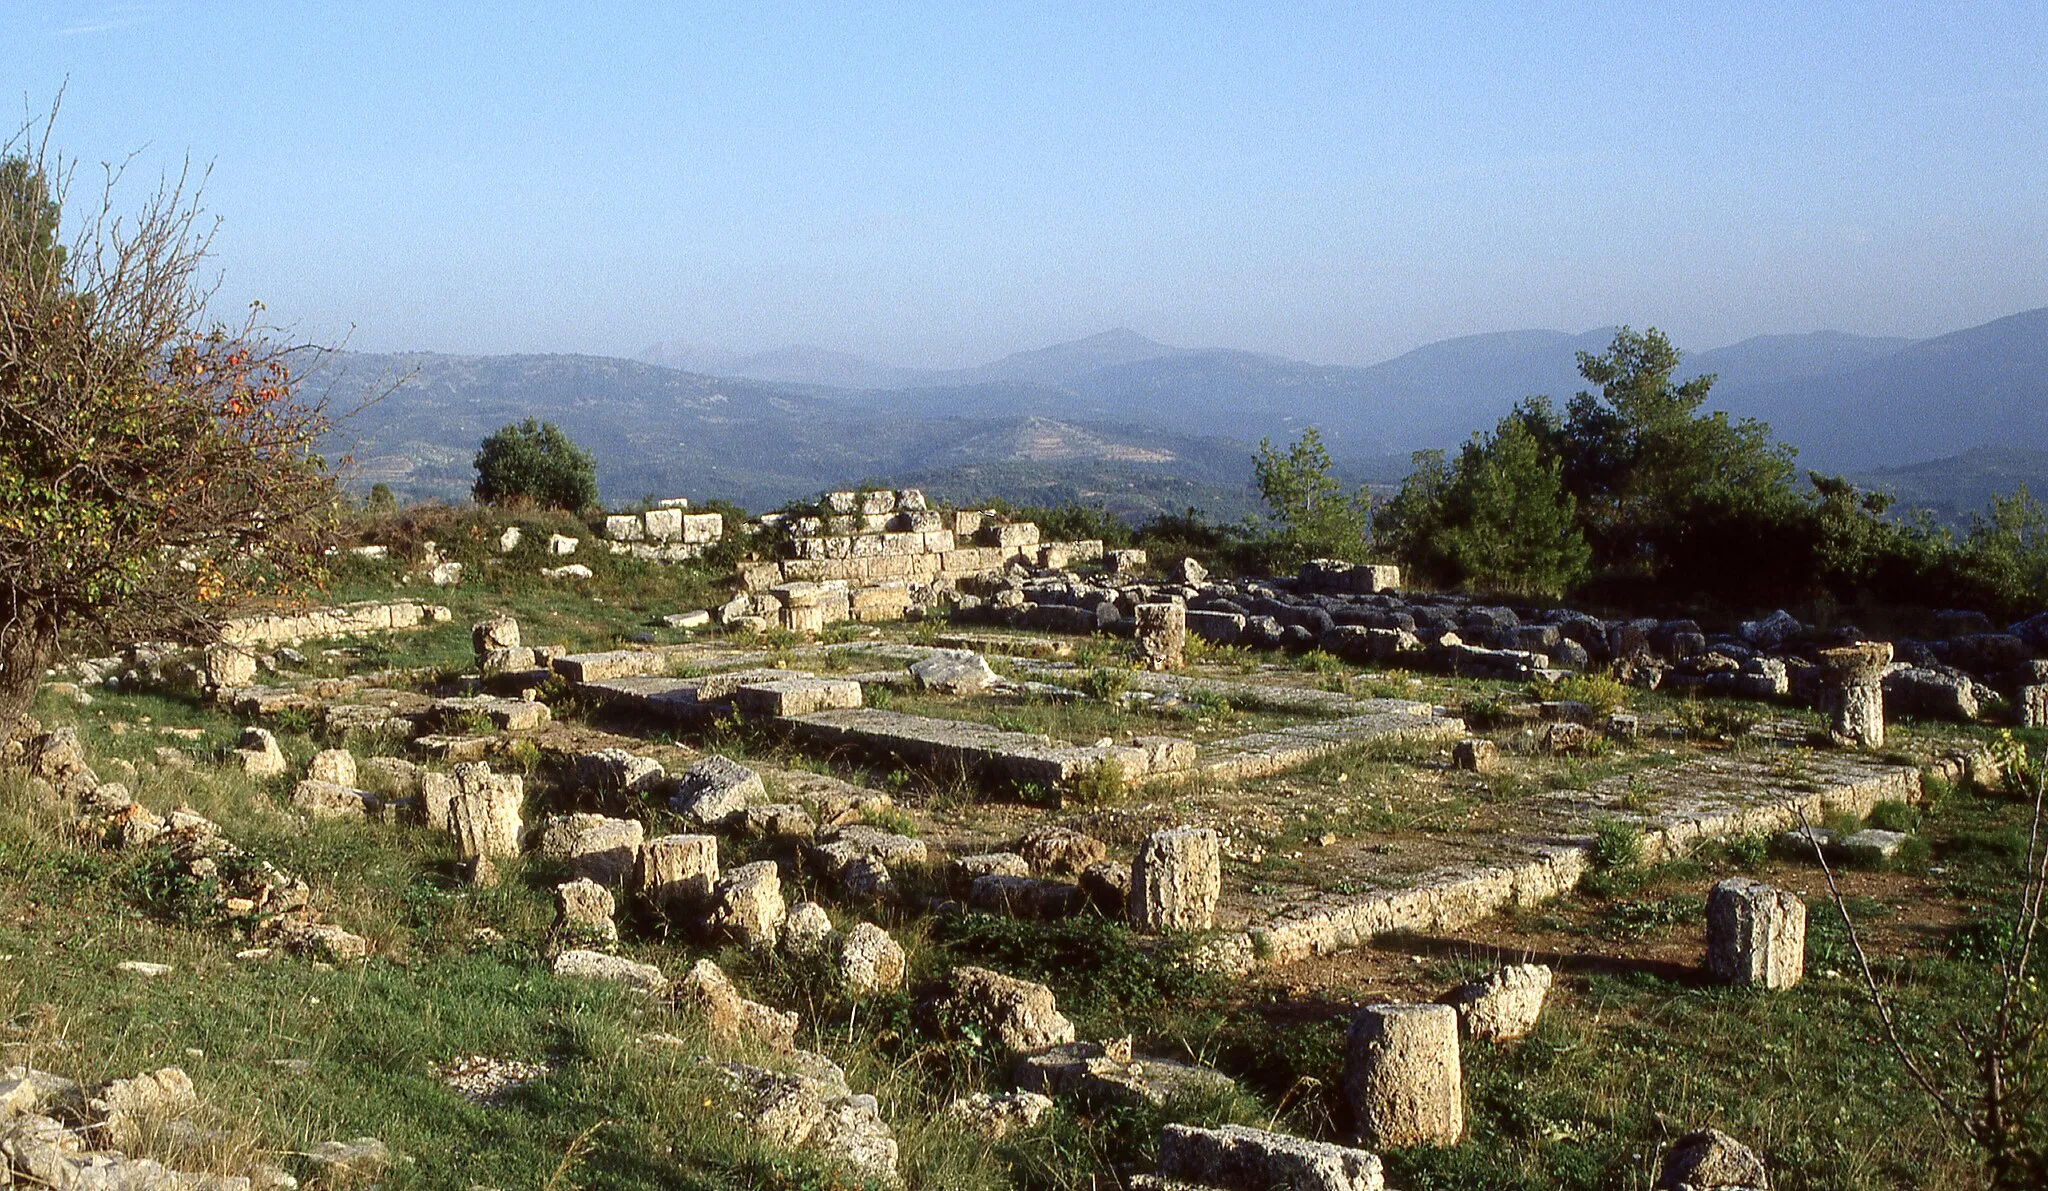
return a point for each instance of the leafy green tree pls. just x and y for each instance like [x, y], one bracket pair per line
[380, 499]
[160, 470]
[1509, 525]
[533, 462]
[1311, 514]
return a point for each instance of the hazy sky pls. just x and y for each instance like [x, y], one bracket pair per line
[944, 183]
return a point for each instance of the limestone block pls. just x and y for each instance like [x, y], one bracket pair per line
[333, 765]
[1872, 845]
[1020, 1015]
[1027, 898]
[776, 820]
[583, 912]
[330, 800]
[706, 991]
[1191, 573]
[485, 818]
[625, 528]
[258, 753]
[714, 789]
[615, 769]
[1020, 536]
[1476, 754]
[997, 1116]
[574, 570]
[508, 661]
[1166, 754]
[1218, 628]
[964, 869]
[1756, 934]
[870, 961]
[1709, 1158]
[1060, 850]
[1107, 884]
[797, 696]
[747, 904]
[954, 672]
[229, 666]
[677, 873]
[1125, 563]
[1402, 1078]
[965, 523]
[1176, 880]
[595, 847]
[663, 525]
[1503, 1006]
[1162, 633]
[596, 965]
[1239, 1158]
[703, 529]
[560, 545]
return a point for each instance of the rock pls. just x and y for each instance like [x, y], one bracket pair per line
[1709, 1158]
[495, 632]
[996, 1117]
[836, 855]
[1024, 897]
[583, 913]
[596, 965]
[602, 849]
[130, 1111]
[1402, 1077]
[1503, 1006]
[1190, 572]
[337, 766]
[362, 1157]
[562, 544]
[678, 872]
[688, 620]
[1238, 1158]
[2032, 705]
[259, 755]
[484, 816]
[1800, 842]
[616, 770]
[706, 991]
[747, 904]
[964, 869]
[714, 789]
[1932, 693]
[1019, 1015]
[1852, 693]
[1109, 1074]
[327, 941]
[509, 540]
[954, 672]
[1107, 886]
[1566, 737]
[870, 961]
[326, 800]
[1176, 880]
[1060, 850]
[445, 574]
[1756, 934]
[139, 967]
[776, 820]
[807, 929]
[799, 1110]
[1476, 754]
[1772, 631]
[1873, 846]
[1162, 634]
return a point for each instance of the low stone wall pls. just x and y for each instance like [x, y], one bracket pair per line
[368, 617]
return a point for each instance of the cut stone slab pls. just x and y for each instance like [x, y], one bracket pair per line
[1402, 1076]
[602, 849]
[747, 904]
[1238, 1158]
[954, 672]
[1109, 1073]
[797, 696]
[1872, 845]
[1756, 934]
[1503, 1006]
[714, 789]
[955, 746]
[617, 663]
[678, 872]
[596, 965]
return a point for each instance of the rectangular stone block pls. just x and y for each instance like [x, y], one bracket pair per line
[809, 619]
[889, 602]
[2034, 706]
[881, 501]
[703, 529]
[964, 523]
[624, 528]
[834, 606]
[1756, 934]
[618, 663]
[867, 545]
[1221, 628]
[664, 525]
[797, 696]
[937, 541]
[877, 522]
[921, 521]
[1019, 536]
[797, 595]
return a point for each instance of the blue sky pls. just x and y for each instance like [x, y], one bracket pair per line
[940, 184]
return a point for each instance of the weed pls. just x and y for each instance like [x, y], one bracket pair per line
[1102, 784]
[1891, 814]
[1106, 684]
[1603, 693]
[1713, 720]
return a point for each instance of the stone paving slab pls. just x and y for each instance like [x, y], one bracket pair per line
[1018, 758]
[1437, 882]
[1261, 754]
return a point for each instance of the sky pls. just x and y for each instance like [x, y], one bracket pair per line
[940, 184]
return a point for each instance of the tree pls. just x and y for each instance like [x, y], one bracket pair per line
[1510, 526]
[533, 462]
[160, 470]
[1314, 516]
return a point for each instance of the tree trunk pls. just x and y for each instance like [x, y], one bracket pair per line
[27, 643]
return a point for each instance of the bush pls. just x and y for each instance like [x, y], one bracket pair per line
[533, 462]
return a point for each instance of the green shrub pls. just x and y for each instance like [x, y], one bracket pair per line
[533, 462]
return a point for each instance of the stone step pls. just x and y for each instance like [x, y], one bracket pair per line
[1014, 758]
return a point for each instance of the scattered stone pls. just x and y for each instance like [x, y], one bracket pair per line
[259, 755]
[1476, 754]
[602, 849]
[129, 1111]
[1709, 1158]
[484, 816]
[707, 991]
[326, 800]
[747, 904]
[1756, 934]
[137, 967]
[954, 672]
[714, 789]
[807, 929]
[997, 1116]
[482, 1079]
[574, 570]
[870, 961]
[1402, 1077]
[361, 1157]
[1190, 572]
[596, 965]
[677, 873]
[1239, 1158]
[776, 820]
[584, 913]
[1176, 880]
[1503, 1006]
[688, 620]
[1025, 897]
[335, 766]
[1021, 1016]
[964, 869]
[562, 544]
[509, 540]
[616, 770]
[1060, 850]
[1107, 886]
[493, 633]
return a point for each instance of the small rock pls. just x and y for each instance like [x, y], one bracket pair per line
[996, 1117]
[139, 967]
[1708, 1158]
[1503, 1006]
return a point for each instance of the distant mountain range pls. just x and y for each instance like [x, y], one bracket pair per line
[1118, 417]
